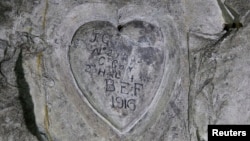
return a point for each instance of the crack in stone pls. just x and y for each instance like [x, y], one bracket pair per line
[26, 99]
[190, 85]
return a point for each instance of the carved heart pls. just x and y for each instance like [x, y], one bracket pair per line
[118, 70]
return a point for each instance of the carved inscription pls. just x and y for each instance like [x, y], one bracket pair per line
[119, 72]
[110, 62]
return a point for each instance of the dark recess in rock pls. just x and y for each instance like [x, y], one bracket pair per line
[26, 99]
[120, 27]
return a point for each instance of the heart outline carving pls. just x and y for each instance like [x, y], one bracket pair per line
[108, 60]
[74, 21]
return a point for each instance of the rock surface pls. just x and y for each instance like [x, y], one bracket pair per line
[115, 70]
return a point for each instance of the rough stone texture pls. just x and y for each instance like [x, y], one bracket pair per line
[114, 70]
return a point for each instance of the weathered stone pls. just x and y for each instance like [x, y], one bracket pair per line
[119, 72]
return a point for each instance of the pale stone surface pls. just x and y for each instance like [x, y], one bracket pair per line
[220, 77]
[115, 70]
[118, 71]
